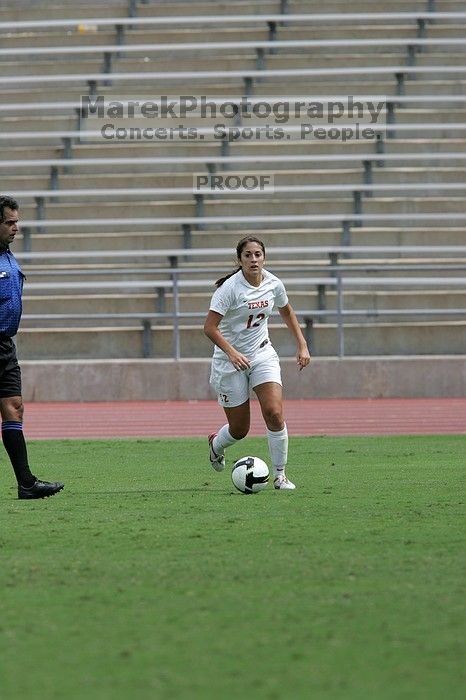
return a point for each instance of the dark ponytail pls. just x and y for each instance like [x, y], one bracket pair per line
[220, 281]
[239, 250]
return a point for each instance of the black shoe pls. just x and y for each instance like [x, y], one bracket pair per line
[40, 489]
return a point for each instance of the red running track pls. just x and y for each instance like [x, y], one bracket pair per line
[198, 418]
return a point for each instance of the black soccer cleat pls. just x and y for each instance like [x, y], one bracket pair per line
[40, 489]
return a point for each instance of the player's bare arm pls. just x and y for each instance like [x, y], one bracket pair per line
[237, 359]
[303, 356]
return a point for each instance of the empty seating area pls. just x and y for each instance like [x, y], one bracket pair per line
[121, 245]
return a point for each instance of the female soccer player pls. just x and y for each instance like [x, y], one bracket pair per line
[244, 357]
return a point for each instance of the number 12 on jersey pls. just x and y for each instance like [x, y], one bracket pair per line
[258, 319]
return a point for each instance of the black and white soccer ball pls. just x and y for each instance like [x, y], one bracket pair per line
[250, 474]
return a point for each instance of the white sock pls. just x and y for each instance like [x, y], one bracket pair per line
[278, 448]
[223, 440]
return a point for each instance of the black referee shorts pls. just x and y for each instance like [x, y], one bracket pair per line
[10, 371]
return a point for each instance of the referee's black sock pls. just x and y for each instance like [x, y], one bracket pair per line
[15, 445]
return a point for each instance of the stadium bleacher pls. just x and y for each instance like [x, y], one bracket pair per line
[82, 194]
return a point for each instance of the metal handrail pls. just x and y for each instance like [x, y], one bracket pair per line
[138, 285]
[83, 134]
[230, 45]
[355, 158]
[251, 99]
[124, 192]
[222, 74]
[192, 20]
[248, 220]
[175, 253]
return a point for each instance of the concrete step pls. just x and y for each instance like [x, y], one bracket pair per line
[127, 149]
[382, 85]
[169, 179]
[414, 338]
[305, 275]
[290, 204]
[277, 205]
[97, 239]
[407, 235]
[319, 84]
[342, 7]
[100, 303]
[413, 205]
[198, 302]
[443, 29]
[60, 37]
[160, 239]
[242, 59]
[419, 338]
[54, 66]
[64, 11]
[179, 207]
[14, 183]
[74, 210]
[22, 152]
[52, 93]
[367, 85]
[237, 60]
[433, 114]
[78, 181]
[67, 120]
[238, 8]
[411, 174]
[41, 122]
[208, 149]
[350, 57]
[183, 34]
[158, 172]
[299, 176]
[137, 168]
[449, 57]
[439, 86]
[347, 30]
[417, 144]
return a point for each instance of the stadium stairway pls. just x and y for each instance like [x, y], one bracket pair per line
[117, 338]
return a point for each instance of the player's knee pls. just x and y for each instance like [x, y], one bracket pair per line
[13, 409]
[239, 432]
[274, 419]
[18, 407]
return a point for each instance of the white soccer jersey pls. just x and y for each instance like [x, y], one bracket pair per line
[245, 310]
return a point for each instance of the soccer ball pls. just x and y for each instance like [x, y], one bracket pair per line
[250, 474]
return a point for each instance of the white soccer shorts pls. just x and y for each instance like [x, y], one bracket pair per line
[233, 387]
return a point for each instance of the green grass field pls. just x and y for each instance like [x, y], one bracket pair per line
[150, 578]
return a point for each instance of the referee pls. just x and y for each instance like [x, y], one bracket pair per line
[11, 402]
